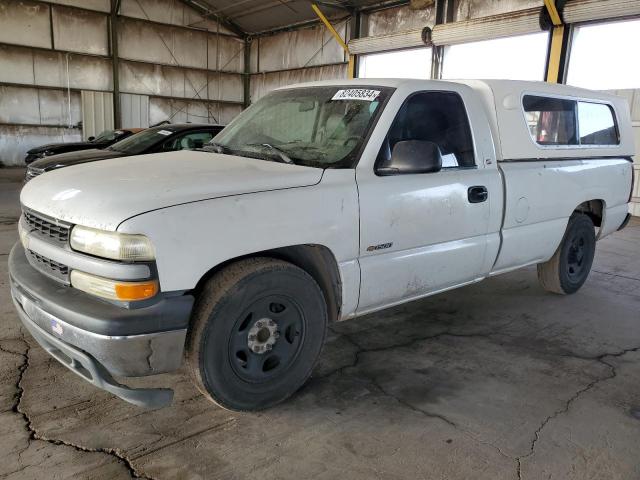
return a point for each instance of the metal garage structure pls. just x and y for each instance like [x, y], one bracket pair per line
[75, 67]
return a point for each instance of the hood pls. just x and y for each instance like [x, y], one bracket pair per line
[62, 146]
[104, 194]
[73, 158]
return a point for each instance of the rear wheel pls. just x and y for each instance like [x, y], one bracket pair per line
[569, 267]
[257, 332]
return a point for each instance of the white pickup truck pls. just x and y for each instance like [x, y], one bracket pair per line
[319, 203]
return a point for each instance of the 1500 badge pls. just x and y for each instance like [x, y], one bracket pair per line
[382, 246]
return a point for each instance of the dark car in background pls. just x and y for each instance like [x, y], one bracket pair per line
[106, 138]
[165, 138]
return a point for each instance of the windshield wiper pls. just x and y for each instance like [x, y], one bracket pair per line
[281, 153]
[216, 148]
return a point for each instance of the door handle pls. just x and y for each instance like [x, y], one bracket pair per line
[477, 194]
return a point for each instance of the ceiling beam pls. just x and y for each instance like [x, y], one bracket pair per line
[208, 14]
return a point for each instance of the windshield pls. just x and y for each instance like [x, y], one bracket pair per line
[316, 126]
[108, 135]
[140, 142]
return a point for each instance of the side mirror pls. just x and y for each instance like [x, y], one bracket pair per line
[413, 156]
[91, 139]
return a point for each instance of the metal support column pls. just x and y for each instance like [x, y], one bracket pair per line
[352, 61]
[556, 67]
[437, 52]
[355, 28]
[113, 36]
[247, 72]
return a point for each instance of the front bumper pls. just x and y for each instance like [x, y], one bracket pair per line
[97, 340]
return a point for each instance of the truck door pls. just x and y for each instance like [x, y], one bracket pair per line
[425, 232]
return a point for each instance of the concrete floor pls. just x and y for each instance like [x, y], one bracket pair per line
[499, 380]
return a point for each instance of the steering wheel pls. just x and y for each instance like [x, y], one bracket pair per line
[352, 138]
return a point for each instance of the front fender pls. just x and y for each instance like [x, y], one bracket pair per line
[193, 238]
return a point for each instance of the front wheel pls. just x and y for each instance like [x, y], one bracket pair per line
[257, 331]
[569, 267]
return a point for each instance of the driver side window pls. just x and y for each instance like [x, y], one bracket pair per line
[437, 117]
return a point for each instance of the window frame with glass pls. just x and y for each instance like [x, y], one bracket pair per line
[465, 125]
[575, 116]
[262, 146]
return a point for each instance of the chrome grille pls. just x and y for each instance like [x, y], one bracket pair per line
[47, 266]
[46, 228]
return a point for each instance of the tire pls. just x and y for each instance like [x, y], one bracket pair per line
[569, 267]
[257, 330]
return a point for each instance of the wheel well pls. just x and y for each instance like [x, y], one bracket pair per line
[316, 260]
[594, 209]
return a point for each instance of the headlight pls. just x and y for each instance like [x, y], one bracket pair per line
[113, 245]
[24, 239]
[113, 289]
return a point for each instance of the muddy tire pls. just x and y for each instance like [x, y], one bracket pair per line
[257, 330]
[569, 267]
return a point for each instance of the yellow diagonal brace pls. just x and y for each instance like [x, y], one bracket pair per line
[553, 12]
[337, 36]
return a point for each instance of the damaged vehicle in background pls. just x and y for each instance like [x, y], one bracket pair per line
[319, 203]
[165, 138]
[106, 138]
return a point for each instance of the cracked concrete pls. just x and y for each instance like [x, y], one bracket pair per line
[498, 380]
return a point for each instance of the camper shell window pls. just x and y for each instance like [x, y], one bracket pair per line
[563, 122]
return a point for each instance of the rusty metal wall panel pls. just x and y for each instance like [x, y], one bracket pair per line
[158, 80]
[176, 111]
[162, 44]
[33, 106]
[301, 48]
[97, 5]
[23, 22]
[26, 66]
[97, 113]
[16, 140]
[80, 31]
[19, 105]
[263, 83]
[134, 110]
[228, 113]
[17, 65]
[470, 9]
[92, 73]
[56, 109]
[399, 19]
[224, 86]
[226, 54]
[147, 79]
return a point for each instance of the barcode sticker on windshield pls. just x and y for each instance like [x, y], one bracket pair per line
[357, 94]
[164, 132]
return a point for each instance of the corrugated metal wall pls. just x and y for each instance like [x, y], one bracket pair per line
[189, 68]
[301, 55]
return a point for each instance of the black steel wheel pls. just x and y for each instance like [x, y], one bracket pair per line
[257, 331]
[569, 267]
[266, 338]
